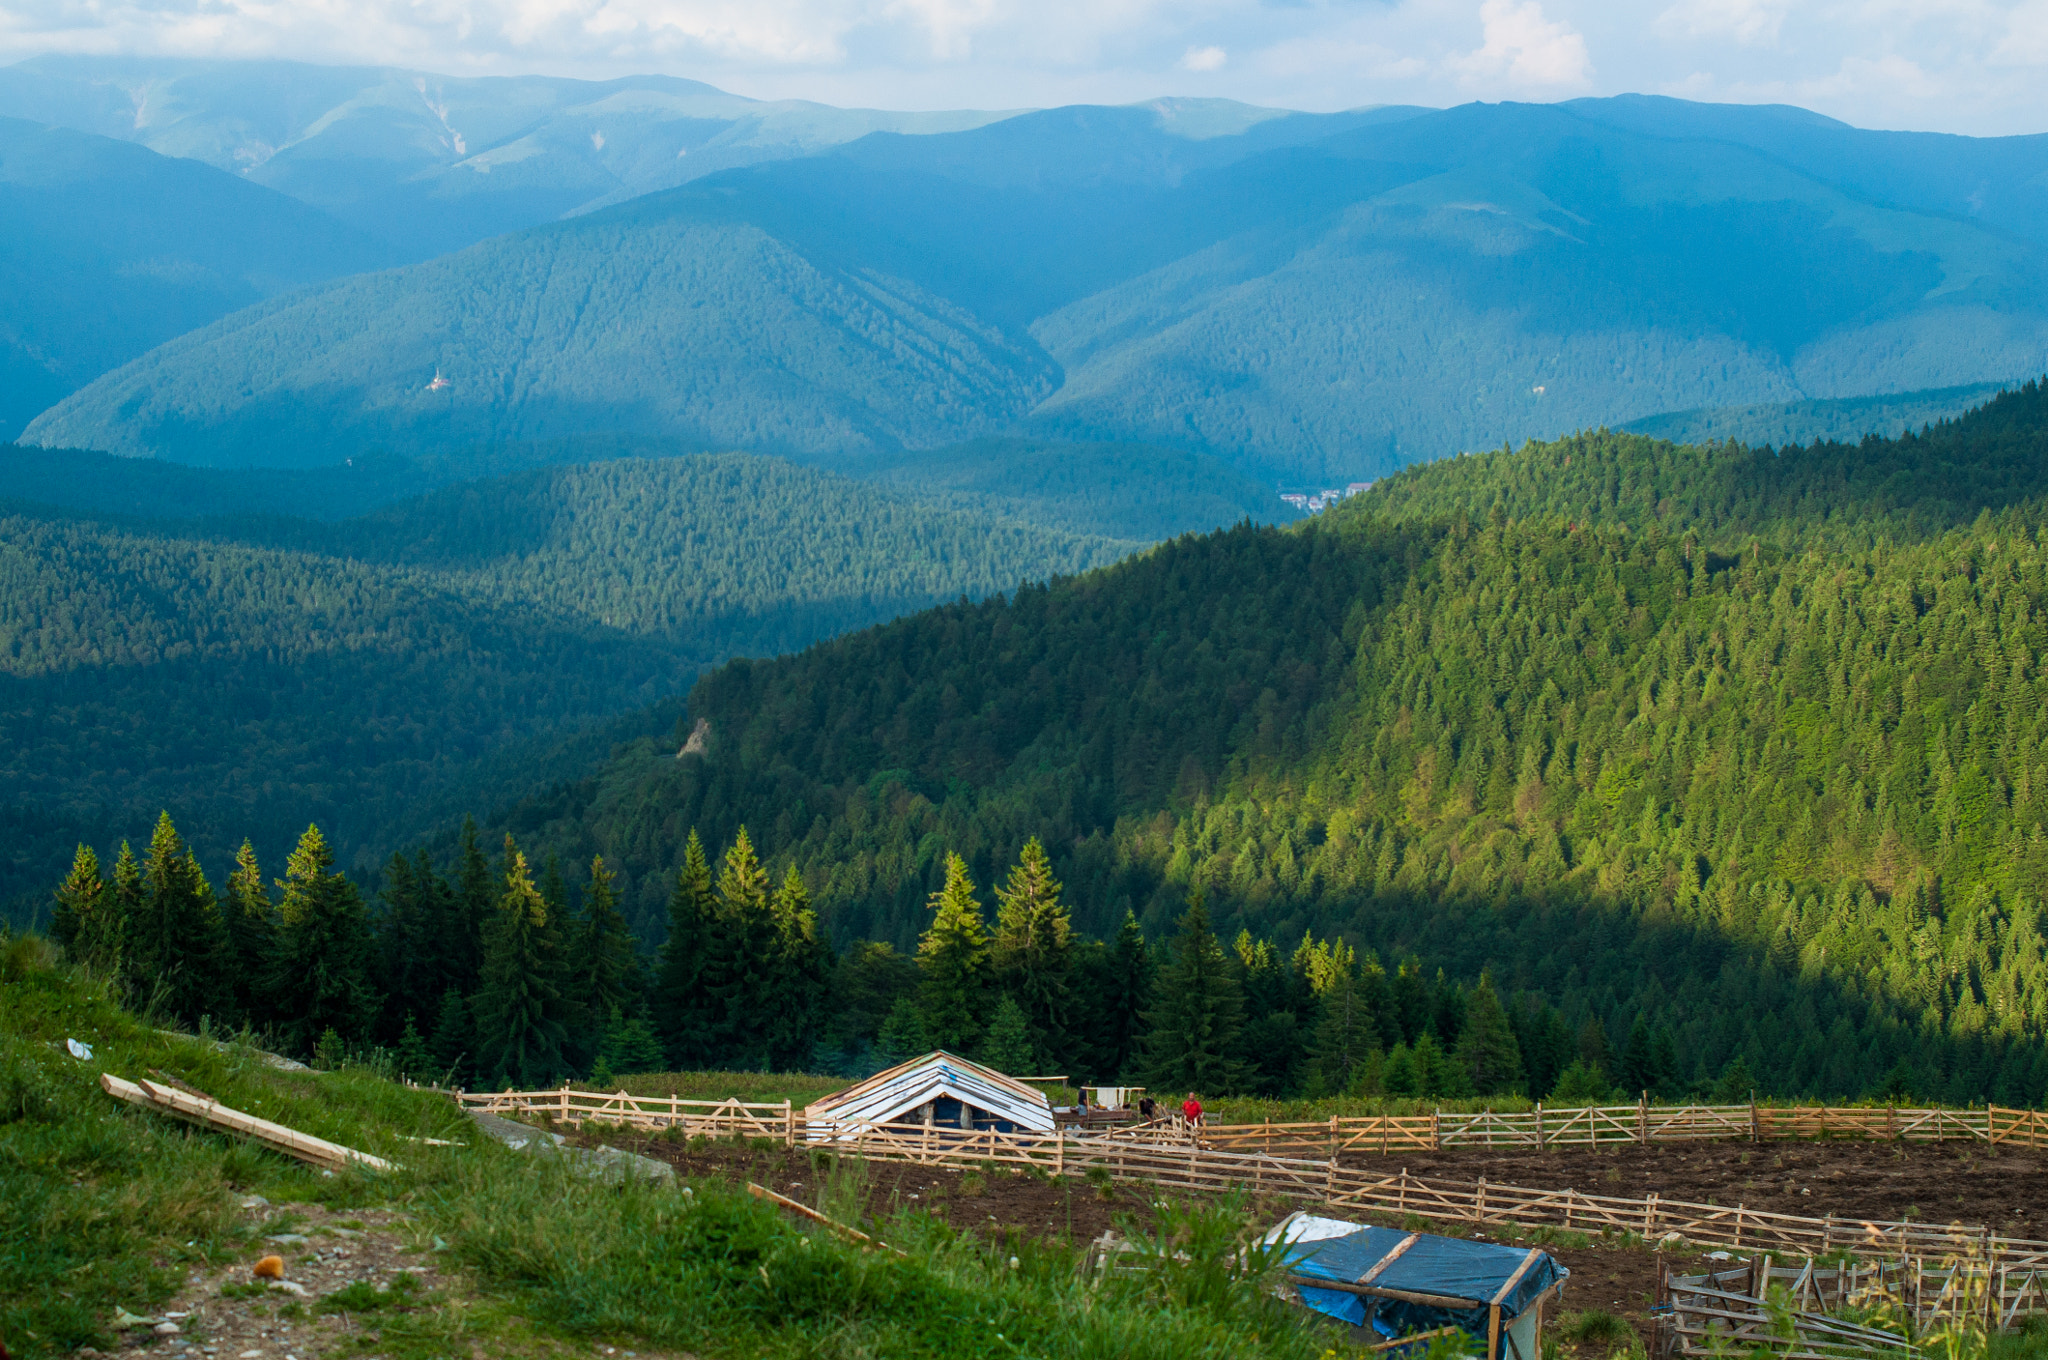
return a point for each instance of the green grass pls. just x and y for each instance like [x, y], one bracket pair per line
[768, 1088]
[103, 1207]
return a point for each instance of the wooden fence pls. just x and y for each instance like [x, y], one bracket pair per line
[1744, 1308]
[1573, 1126]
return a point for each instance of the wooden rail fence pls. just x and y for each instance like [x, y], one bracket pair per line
[1574, 1126]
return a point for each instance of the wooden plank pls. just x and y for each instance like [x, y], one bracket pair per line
[212, 1114]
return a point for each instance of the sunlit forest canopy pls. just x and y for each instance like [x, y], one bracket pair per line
[1748, 744]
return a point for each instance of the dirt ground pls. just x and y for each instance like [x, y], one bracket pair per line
[358, 1283]
[1972, 1183]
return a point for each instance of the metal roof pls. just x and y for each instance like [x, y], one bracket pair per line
[891, 1094]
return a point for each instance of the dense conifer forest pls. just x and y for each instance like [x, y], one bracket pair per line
[382, 672]
[1733, 756]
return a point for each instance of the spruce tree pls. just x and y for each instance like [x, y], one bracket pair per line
[454, 1043]
[683, 1014]
[739, 961]
[411, 1057]
[405, 939]
[798, 979]
[124, 903]
[604, 969]
[1637, 1069]
[518, 1002]
[476, 903]
[1009, 1047]
[252, 938]
[319, 978]
[1191, 1043]
[1033, 952]
[628, 1046]
[1123, 999]
[1487, 1048]
[953, 956]
[84, 915]
[1345, 1035]
[175, 943]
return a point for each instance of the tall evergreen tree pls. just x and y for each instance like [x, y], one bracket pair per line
[251, 938]
[519, 1000]
[406, 941]
[124, 901]
[1637, 1069]
[1009, 1047]
[604, 968]
[175, 941]
[476, 905]
[739, 961]
[1487, 1047]
[800, 974]
[454, 1043]
[1123, 996]
[953, 955]
[684, 1015]
[1032, 953]
[1191, 1043]
[1346, 1037]
[83, 913]
[319, 978]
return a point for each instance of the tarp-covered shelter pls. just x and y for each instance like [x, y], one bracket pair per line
[1405, 1283]
[938, 1091]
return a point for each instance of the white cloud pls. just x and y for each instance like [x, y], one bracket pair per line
[1524, 48]
[1949, 65]
[1746, 21]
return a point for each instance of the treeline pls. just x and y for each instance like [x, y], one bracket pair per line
[227, 668]
[495, 973]
[1771, 782]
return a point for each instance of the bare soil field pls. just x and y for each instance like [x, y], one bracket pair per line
[1973, 1182]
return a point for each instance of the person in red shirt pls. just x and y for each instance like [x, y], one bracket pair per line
[1191, 1110]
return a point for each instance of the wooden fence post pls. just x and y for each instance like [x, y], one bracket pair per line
[565, 1102]
[1539, 1126]
[1753, 1131]
[788, 1124]
[1436, 1136]
[1643, 1117]
[1333, 1138]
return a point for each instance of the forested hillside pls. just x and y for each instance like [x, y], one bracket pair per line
[382, 672]
[1313, 299]
[1743, 755]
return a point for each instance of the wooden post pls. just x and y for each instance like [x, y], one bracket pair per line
[565, 1102]
[1436, 1136]
[675, 1110]
[1753, 1133]
[788, 1124]
[1539, 1126]
[1479, 1202]
[1643, 1117]
[1333, 1138]
[1650, 1217]
[1493, 1332]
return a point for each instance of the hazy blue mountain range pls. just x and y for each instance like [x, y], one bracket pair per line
[1310, 298]
[108, 249]
[1844, 420]
[432, 163]
[435, 655]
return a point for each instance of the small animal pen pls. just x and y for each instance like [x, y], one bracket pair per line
[1406, 1286]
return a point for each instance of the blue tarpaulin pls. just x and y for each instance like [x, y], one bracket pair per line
[1470, 1273]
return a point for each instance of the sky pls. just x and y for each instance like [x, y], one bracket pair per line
[1972, 66]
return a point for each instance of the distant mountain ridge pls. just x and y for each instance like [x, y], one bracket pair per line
[108, 249]
[1311, 298]
[431, 163]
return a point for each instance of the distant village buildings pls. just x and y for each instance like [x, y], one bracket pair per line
[1312, 502]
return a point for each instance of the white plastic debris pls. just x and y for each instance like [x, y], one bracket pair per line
[82, 1052]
